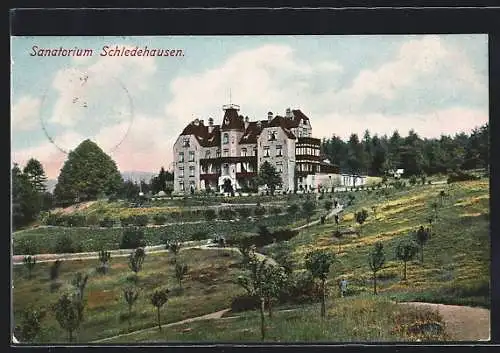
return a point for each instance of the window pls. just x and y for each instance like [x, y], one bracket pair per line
[266, 151]
[207, 154]
[232, 140]
[217, 153]
[225, 138]
[191, 156]
[255, 151]
[181, 157]
[243, 152]
[185, 142]
[304, 132]
[181, 172]
[279, 167]
[226, 153]
[226, 169]
[271, 135]
[278, 151]
[191, 171]
[181, 185]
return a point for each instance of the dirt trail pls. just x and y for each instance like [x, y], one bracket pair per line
[211, 316]
[463, 323]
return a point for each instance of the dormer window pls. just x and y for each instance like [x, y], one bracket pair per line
[272, 135]
[225, 138]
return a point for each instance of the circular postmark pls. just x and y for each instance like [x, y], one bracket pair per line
[85, 105]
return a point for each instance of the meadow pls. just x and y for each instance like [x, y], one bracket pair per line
[211, 276]
[456, 270]
[360, 319]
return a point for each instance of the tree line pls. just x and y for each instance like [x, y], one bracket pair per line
[375, 155]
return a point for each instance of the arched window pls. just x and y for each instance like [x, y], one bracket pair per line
[225, 138]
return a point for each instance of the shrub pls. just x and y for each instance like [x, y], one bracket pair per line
[259, 211]
[92, 220]
[159, 219]
[210, 214]
[55, 269]
[227, 213]
[244, 212]
[300, 289]
[75, 220]
[244, 302]
[461, 176]
[284, 234]
[141, 220]
[275, 210]
[107, 222]
[126, 221]
[132, 238]
[200, 235]
[54, 220]
[65, 244]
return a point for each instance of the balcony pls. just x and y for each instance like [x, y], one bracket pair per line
[209, 176]
[236, 159]
[246, 174]
[308, 141]
[306, 157]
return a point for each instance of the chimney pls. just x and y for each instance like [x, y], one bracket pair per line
[288, 113]
[210, 125]
[269, 116]
[197, 121]
[246, 122]
[202, 122]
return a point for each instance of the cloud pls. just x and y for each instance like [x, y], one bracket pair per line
[425, 67]
[105, 84]
[49, 155]
[25, 113]
[266, 78]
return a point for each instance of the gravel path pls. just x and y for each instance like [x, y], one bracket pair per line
[463, 323]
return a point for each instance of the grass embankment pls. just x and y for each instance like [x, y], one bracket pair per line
[456, 268]
[348, 320]
[44, 240]
[207, 287]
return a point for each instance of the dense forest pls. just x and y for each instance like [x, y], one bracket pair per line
[375, 155]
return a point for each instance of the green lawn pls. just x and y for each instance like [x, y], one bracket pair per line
[363, 319]
[456, 258]
[208, 287]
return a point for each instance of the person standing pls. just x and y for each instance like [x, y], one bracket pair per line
[343, 287]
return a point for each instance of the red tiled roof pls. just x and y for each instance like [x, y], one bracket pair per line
[285, 124]
[297, 116]
[201, 134]
[232, 121]
[252, 132]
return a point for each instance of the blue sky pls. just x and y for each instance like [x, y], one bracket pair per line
[434, 84]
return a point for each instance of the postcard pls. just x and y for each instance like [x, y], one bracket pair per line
[309, 188]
